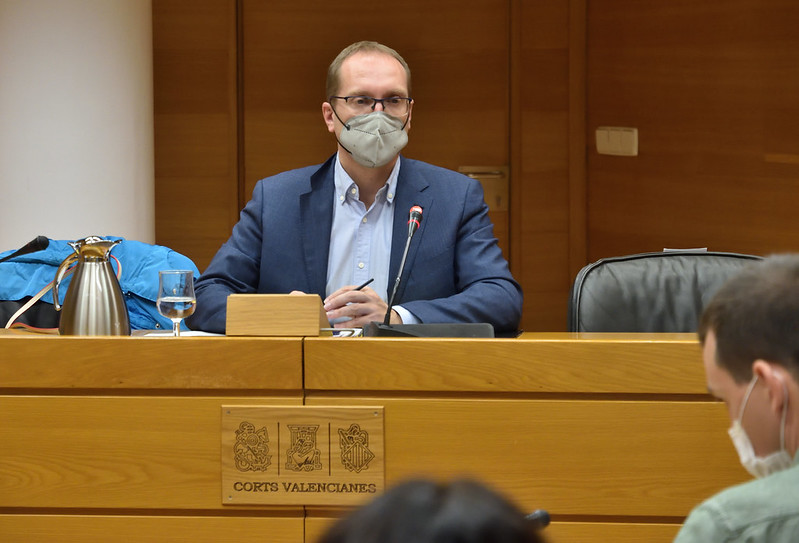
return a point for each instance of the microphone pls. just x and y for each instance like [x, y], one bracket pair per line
[539, 519]
[414, 220]
[38, 244]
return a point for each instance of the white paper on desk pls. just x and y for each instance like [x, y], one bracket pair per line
[344, 332]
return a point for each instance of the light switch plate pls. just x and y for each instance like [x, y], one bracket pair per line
[617, 140]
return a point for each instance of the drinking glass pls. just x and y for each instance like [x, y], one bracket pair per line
[176, 298]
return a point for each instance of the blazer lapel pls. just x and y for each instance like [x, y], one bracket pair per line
[316, 220]
[411, 186]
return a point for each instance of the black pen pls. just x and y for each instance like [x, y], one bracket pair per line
[360, 287]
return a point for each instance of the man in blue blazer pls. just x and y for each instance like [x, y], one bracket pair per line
[325, 229]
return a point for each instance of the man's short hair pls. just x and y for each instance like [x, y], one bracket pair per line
[755, 316]
[334, 70]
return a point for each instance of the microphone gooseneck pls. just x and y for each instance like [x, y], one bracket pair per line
[38, 244]
[414, 220]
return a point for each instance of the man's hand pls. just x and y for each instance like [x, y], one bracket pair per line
[360, 306]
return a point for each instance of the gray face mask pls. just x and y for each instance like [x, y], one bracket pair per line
[373, 139]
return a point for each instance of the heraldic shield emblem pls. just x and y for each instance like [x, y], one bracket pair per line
[355, 453]
[303, 454]
[251, 452]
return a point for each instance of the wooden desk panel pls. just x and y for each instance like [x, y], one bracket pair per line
[615, 435]
[121, 436]
[558, 532]
[570, 457]
[32, 361]
[541, 363]
[114, 452]
[153, 529]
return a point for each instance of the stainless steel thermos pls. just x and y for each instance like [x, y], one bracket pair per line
[94, 304]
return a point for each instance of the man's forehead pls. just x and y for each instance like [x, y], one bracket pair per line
[368, 62]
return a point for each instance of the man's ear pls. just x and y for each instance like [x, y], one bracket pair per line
[329, 117]
[773, 376]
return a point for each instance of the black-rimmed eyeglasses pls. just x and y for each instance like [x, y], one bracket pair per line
[395, 105]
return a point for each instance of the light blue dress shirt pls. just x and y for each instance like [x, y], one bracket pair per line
[360, 238]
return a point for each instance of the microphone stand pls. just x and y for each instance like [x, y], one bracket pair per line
[387, 319]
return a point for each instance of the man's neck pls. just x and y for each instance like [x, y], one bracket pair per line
[369, 180]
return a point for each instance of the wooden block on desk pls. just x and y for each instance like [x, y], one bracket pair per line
[275, 315]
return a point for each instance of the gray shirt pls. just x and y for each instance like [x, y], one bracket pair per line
[763, 510]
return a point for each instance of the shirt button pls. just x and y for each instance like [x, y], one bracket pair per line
[390, 195]
[365, 219]
[353, 191]
[360, 265]
[341, 198]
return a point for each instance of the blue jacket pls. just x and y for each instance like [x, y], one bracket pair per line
[27, 275]
[455, 271]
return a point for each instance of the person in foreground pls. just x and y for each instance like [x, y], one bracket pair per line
[750, 338]
[420, 511]
[325, 229]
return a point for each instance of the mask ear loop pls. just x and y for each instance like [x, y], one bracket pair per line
[345, 125]
[746, 398]
[784, 411]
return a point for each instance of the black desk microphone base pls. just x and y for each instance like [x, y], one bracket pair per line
[477, 329]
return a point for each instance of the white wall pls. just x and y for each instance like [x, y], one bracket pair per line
[76, 120]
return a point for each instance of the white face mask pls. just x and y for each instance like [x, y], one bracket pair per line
[759, 466]
[373, 139]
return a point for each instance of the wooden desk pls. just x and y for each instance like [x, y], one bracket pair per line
[121, 436]
[613, 434]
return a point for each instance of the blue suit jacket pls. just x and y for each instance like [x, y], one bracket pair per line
[455, 271]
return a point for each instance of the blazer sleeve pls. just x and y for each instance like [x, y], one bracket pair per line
[483, 288]
[234, 269]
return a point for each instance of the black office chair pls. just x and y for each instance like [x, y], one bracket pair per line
[649, 292]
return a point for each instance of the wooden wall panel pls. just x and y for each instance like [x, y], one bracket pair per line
[459, 64]
[459, 60]
[196, 186]
[468, 65]
[711, 87]
[546, 118]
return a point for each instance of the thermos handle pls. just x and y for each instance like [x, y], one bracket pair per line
[59, 275]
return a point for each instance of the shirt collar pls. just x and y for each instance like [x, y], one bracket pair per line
[346, 187]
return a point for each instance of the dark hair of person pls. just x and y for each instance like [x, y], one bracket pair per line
[334, 70]
[755, 316]
[421, 511]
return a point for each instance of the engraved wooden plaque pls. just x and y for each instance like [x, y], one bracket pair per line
[309, 455]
